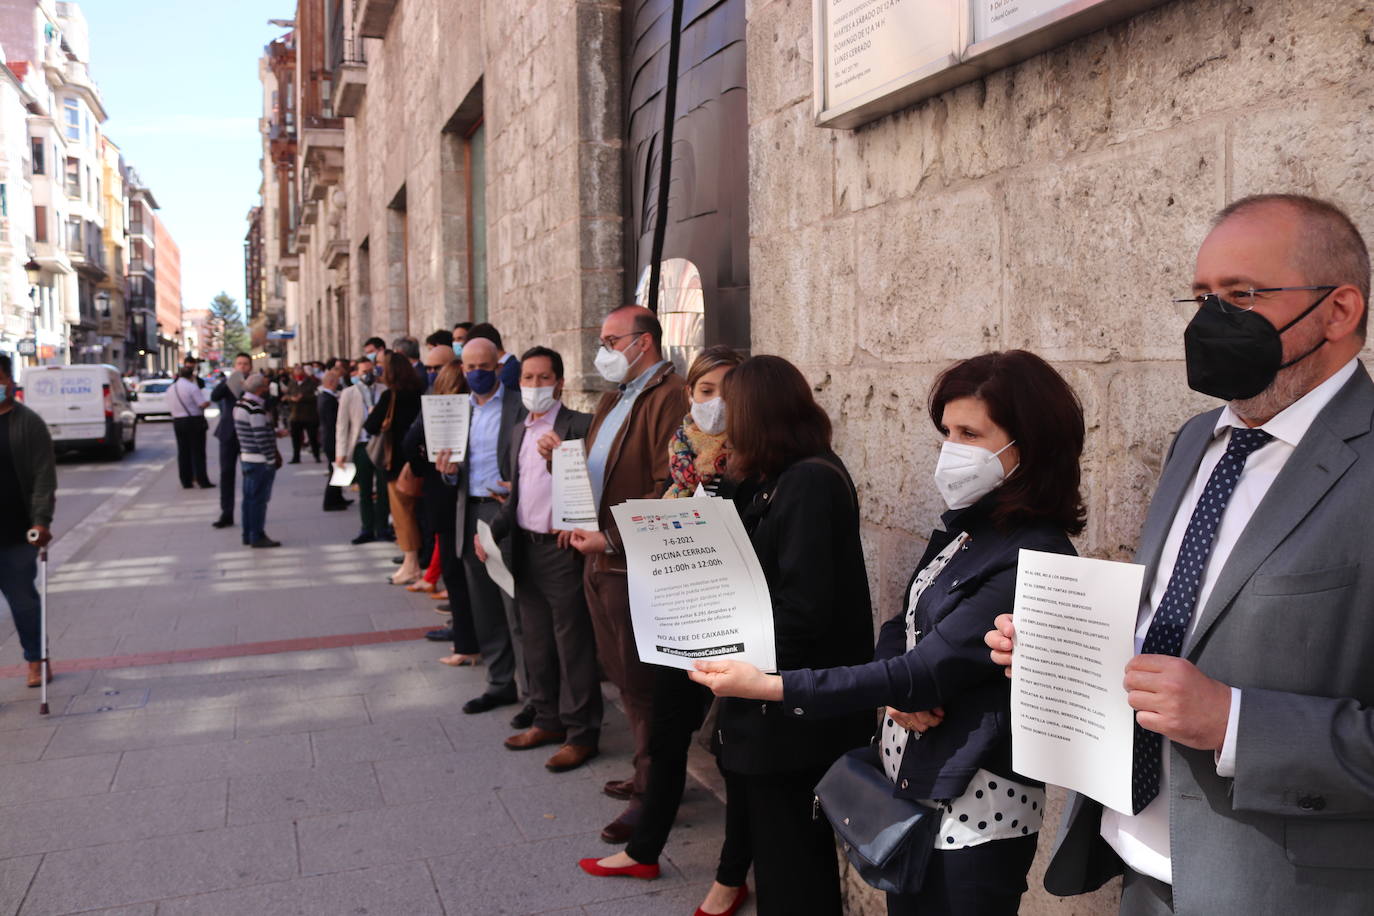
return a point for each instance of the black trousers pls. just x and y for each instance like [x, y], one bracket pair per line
[489, 616]
[228, 468]
[795, 864]
[456, 584]
[190, 436]
[680, 706]
[301, 430]
[986, 880]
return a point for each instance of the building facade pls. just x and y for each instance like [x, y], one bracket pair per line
[538, 163]
[167, 289]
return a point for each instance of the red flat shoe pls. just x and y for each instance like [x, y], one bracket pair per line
[645, 872]
[742, 896]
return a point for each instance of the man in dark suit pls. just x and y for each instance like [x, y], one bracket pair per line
[225, 396]
[555, 628]
[304, 418]
[483, 481]
[327, 408]
[1253, 770]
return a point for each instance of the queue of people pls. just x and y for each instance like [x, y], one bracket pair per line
[1251, 688]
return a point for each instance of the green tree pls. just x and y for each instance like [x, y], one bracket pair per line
[227, 321]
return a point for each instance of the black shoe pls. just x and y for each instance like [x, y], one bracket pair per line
[444, 635]
[366, 537]
[317, 459]
[339, 508]
[387, 535]
[265, 542]
[296, 460]
[443, 608]
[523, 719]
[398, 560]
[223, 521]
[486, 702]
[206, 485]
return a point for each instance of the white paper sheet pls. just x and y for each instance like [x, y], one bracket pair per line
[574, 506]
[696, 588]
[1075, 632]
[343, 476]
[496, 564]
[446, 424]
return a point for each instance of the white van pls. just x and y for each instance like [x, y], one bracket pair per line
[85, 407]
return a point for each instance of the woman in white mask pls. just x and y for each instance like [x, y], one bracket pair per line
[697, 452]
[1008, 470]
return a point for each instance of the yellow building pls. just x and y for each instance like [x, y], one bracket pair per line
[121, 349]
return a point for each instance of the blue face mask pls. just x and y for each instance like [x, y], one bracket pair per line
[431, 373]
[481, 381]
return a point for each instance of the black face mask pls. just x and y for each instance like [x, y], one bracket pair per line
[1234, 355]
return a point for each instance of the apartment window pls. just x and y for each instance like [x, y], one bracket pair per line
[40, 167]
[73, 178]
[40, 224]
[74, 234]
[73, 112]
[4, 200]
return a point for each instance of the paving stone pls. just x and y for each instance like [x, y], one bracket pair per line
[379, 742]
[655, 902]
[119, 874]
[66, 777]
[302, 793]
[15, 876]
[402, 889]
[91, 820]
[300, 716]
[217, 760]
[25, 744]
[543, 876]
[347, 841]
[143, 730]
[559, 809]
[14, 692]
[410, 780]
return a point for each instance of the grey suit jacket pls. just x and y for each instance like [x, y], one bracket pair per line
[568, 424]
[1290, 622]
[511, 409]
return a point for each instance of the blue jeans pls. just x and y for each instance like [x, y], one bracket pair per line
[18, 570]
[257, 490]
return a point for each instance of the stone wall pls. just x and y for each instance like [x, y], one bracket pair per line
[1056, 206]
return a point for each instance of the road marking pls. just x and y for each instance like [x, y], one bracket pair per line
[69, 544]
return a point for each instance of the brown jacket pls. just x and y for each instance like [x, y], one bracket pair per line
[638, 463]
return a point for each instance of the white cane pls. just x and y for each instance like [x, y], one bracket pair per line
[42, 620]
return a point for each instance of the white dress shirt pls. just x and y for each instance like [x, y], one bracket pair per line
[1142, 840]
[185, 399]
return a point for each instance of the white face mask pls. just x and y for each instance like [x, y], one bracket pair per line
[538, 400]
[966, 473]
[709, 416]
[613, 364]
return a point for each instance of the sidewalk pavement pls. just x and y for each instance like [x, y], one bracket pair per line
[323, 781]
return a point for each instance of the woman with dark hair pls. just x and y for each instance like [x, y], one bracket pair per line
[439, 512]
[391, 418]
[1009, 472]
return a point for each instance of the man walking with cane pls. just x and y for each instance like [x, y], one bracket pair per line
[28, 492]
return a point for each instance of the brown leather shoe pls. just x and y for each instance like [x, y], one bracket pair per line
[570, 757]
[622, 789]
[622, 828]
[532, 738]
[36, 674]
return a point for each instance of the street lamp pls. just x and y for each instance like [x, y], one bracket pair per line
[102, 300]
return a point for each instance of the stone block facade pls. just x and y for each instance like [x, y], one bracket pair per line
[1055, 205]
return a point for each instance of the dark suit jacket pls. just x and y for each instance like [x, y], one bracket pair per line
[223, 397]
[568, 424]
[327, 406]
[1291, 623]
[950, 666]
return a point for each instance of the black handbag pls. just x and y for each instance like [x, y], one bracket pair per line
[888, 839]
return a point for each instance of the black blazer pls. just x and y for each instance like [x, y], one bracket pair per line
[804, 526]
[950, 666]
[327, 406]
[222, 396]
[569, 424]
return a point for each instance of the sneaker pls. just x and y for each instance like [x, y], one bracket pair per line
[365, 537]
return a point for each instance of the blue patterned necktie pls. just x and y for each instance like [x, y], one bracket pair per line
[1175, 611]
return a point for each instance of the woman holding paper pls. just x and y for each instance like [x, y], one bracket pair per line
[1008, 470]
[395, 411]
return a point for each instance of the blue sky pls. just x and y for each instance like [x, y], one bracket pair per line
[181, 89]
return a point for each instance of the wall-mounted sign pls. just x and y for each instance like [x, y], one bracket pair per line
[874, 57]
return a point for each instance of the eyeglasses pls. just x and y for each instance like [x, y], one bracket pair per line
[609, 341]
[1233, 301]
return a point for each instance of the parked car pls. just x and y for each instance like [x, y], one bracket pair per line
[85, 407]
[150, 398]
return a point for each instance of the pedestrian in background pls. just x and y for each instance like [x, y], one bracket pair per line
[390, 419]
[225, 395]
[28, 495]
[260, 458]
[187, 402]
[327, 407]
[304, 415]
[508, 367]
[350, 444]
